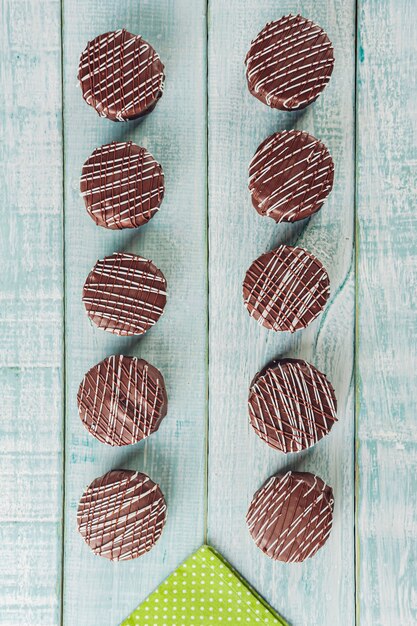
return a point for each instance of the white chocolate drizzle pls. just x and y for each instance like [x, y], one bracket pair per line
[120, 75]
[122, 400]
[290, 176]
[291, 516]
[291, 405]
[289, 63]
[286, 289]
[125, 294]
[121, 515]
[122, 185]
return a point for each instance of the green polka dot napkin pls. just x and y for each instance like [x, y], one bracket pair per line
[204, 590]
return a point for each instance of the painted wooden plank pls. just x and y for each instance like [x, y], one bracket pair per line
[387, 454]
[320, 591]
[96, 591]
[31, 325]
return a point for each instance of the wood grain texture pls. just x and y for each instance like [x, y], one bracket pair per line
[387, 454]
[320, 591]
[31, 322]
[97, 591]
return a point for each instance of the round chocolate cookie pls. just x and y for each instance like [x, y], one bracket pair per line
[121, 515]
[121, 76]
[124, 294]
[122, 400]
[286, 289]
[291, 516]
[290, 176]
[122, 185]
[289, 63]
[291, 405]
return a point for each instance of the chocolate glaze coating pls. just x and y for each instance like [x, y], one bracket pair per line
[122, 185]
[291, 516]
[121, 515]
[121, 76]
[289, 63]
[122, 400]
[291, 405]
[124, 294]
[286, 289]
[290, 176]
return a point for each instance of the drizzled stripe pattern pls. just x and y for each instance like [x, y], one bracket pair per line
[125, 294]
[290, 176]
[291, 516]
[122, 185]
[289, 63]
[291, 405]
[121, 515]
[286, 289]
[122, 400]
[121, 75]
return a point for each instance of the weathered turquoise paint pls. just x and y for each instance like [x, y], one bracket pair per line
[31, 322]
[237, 124]
[387, 266]
[175, 239]
[382, 589]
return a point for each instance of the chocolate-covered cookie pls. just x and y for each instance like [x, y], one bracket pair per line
[291, 405]
[291, 516]
[289, 63]
[290, 176]
[121, 515]
[122, 185]
[286, 289]
[121, 76]
[124, 294]
[122, 400]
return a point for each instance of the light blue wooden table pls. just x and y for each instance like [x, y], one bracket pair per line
[205, 456]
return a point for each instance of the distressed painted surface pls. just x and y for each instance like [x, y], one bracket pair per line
[387, 268]
[174, 239]
[239, 347]
[31, 323]
[97, 592]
